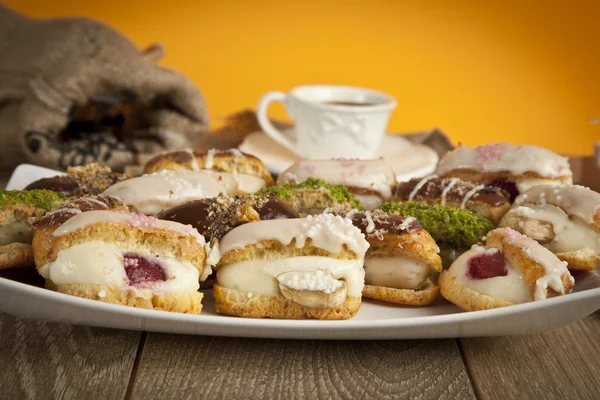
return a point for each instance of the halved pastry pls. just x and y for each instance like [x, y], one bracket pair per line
[85, 180]
[313, 196]
[514, 168]
[127, 259]
[454, 230]
[490, 202]
[149, 194]
[371, 181]
[292, 268]
[16, 207]
[402, 261]
[565, 219]
[241, 173]
[511, 269]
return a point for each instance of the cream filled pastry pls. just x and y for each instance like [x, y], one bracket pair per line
[241, 173]
[128, 259]
[292, 268]
[565, 219]
[514, 168]
[402, 261]
[149, 194]
[510, 269]
[372, 182]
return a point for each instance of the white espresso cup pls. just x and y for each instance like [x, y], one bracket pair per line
[331, 121]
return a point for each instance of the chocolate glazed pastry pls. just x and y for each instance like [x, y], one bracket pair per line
[490, 202]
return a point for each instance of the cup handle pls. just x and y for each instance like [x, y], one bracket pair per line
[266, 125]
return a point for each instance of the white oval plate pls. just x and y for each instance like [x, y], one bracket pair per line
[375, 320]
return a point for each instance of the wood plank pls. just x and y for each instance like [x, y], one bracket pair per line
[193, 366]
[561, 364]
[46, 360]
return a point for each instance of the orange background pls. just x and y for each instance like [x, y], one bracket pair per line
[520, 71]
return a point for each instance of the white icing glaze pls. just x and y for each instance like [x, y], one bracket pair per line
[154, 192]
[395, 272]
[500, 157]
[543, 212]
[213, 254]
[370, 223]
[511, 287]
[98, 263]
[447, 189]
[525, 184]
[376, 175]
[236, 153]
[419, 186]
[326, 231]
[210, 158]
[193, 161]
[235, 182]
[368, 201]
[575, 200]
[470, 194]
[259, 276]
[93, 217]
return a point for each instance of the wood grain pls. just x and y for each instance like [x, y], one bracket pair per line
[561, 364]
[44, 360]
[190, 367]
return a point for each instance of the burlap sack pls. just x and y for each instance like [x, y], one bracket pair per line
[47, 67]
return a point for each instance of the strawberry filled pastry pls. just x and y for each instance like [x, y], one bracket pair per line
[565, 219]
[491, 202]
[239, 172]
[372, 182]
[514, 168]
[292, 268]
[510, 269]
[402, 261]
[128, 259]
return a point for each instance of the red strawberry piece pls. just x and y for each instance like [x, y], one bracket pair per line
[487, 265]
[140, 269]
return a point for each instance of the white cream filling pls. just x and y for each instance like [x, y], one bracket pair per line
[396, 272]
[260, 276]
[511, 287]
[15, 232]
[235, 182]
[525, 184]
[97, 263]
[368, 201]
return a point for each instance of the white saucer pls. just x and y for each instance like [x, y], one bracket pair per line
[407, 159]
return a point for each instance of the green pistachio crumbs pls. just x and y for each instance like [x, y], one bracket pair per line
[40, 198]
[453, 228]
[337, 193]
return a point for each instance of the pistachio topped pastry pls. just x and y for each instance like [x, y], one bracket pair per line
[313, 196]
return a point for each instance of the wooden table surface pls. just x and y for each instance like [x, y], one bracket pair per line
[49, 360]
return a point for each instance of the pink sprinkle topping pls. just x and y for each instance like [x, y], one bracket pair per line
[143, 221]
[362, 169]
[490, 152]
[513, 235]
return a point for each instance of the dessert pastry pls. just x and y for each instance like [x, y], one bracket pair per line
[87, 180]
[292, 268]
[454, 230]
[490, 202]
[16, 207]
[313, 196]
[371, 181]
[240, 173]
[402, 260]
[127, 259]
[514, 168]
[565, 219]
[511, 269]
[149, 194]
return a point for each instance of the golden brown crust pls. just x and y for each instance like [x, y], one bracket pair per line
[423, 296]
[240, 304]
[581, 260]
[16, 255]
[418, 245]
[313, 202]
[189, 303]
[223, 161]
[19, 212]
[466, 298]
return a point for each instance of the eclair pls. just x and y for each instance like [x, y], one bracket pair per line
[402, 260]
[16, 208]
[313, 196]
[454, 230]
[292, 268]
[152, 193]
[514, 168]
[490, 202]
[510, 269]
[241, 173]
[128, 259]
[87, 180]
[565, 219]
[372, 182]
